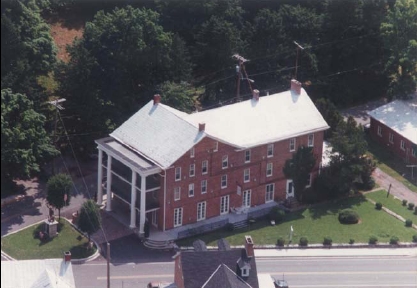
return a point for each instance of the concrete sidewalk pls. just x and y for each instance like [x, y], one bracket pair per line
[336, 252]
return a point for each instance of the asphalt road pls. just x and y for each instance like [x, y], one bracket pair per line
[300, 272]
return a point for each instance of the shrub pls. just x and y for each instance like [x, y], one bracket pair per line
[327, 241]
[276, 214]
[394, 240]
[408, 223]
[415, 238]
[348, 216]
[303, 241]
[373, 240]
[415, 210]
[404, 202]
[351, 241]
[378, 205]
[280, 242]
[410, 206]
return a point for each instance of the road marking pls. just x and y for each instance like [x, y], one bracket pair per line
[137, 277]
[128, 264]
[341, 272]
[355, 285]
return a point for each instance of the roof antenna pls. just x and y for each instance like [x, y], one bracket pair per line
[299, 47]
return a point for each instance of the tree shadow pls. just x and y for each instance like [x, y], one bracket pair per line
[333, 207]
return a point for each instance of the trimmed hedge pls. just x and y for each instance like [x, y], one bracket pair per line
[415, 238]
[348, 216]
[327, 241]
[303, 241]
[280, 242]
[410, 206]
[351, 241]
[408, 223]
[378, 205]
[373, 240]
[394, 240]
[405, 202]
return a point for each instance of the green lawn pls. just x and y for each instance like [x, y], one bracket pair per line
[390, 164]
[22, 245]
[392, 204]
[318, 222]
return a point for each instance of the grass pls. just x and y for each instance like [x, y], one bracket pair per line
[392, 204]
[390, 164]
[23, 245]
[318, 222]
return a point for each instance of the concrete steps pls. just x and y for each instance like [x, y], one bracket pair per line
[158, 244]
[240, 224]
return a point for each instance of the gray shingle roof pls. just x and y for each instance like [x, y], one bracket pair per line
[224, 277]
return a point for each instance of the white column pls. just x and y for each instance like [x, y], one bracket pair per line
[100, 177]
[133, 201]
[108, 207]
[142, 205]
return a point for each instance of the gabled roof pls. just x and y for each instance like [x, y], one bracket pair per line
[400, 116]
[158, 134]
[53, 273]
[198, 267]
[225, 277]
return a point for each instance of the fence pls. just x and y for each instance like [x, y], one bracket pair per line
[202, 229]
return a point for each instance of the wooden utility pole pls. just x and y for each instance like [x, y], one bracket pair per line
[57, 106]
[108, 265]
[239, 67]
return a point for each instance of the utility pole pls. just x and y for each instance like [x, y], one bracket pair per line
[57, 106]
[108, 265]
[239, 67]
[296, 59]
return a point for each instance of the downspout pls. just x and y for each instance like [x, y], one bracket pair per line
[165, 198]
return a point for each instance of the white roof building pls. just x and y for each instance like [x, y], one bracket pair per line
[51, 273]
[400, 116]
[163, 134]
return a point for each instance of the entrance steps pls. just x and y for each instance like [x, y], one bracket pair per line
[240, 224]
[158, 244]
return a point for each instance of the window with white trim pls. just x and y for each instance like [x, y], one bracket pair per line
[391, 138]
[177, 217]
[308, 180]
[192, 170]
[246, 201]
[224, 181]
[402, 145]
[216, 146]
[269, 169]
[192, 151]
[177, 173]
[245, 272]
[225, 161]
[379, 131]
[203, 186]
[191, 190]
[204, 167]
[269, 192]
[201, 211]
[310, 140]
[224, 204]
[292, 144]
[246, 175]
[270, 150]
[247, 156]
[177, 193]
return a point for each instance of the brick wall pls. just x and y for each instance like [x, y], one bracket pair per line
[395, 145]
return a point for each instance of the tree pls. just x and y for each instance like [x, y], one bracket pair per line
[178, 95]
[329, 112]
[399, 33]
[25, 145]
[298, 168]
[89, 220]
[27, 48]
[120, 60]
[59, 191]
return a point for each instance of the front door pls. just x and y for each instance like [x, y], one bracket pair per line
[155, 218]
[290, 188]
[246, 198]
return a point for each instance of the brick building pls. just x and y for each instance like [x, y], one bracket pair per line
[197, 166]
[394, 126]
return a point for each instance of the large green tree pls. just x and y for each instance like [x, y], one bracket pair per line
[59, 191]
[399, 32]
[89, 220]
[27, 48]
[25, 145]
[298, 168]
[115, 68]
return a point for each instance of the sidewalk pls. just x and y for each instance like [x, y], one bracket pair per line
[335, 252]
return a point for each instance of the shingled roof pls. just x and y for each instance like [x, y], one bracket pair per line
[225, 277]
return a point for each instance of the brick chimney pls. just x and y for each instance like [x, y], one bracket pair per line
[156, 99]
[255, 94]
[67, 256]
[201, 127]
[249, 246]
[296, 86]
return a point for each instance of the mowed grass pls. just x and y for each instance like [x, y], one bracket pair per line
[23, 245]
[393, 204]
[317, 222]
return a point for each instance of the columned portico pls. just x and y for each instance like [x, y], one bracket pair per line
[128, 170]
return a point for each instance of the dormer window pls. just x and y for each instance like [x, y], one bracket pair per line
[245, 272]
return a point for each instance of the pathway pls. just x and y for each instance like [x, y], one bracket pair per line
[397, 189]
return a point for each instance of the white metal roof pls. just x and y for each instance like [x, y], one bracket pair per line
[163, 134]
[250, 123]
[53, 273]
[159, 134]
[400, 116]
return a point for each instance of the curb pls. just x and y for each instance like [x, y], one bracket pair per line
[73, 261]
